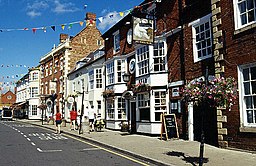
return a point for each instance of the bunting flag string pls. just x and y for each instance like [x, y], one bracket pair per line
[81, 23]
[12, 76]
[25, 66]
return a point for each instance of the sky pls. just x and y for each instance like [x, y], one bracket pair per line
[26, 29]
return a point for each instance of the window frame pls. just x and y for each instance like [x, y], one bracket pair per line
[110, 73]
[237, 14]
[199, 23]
[142, 58]
[242, 103]
[116, 41]
[160, 54]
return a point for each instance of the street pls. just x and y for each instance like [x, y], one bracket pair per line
[25, 145]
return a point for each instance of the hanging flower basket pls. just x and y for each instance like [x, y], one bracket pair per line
[141, 87]
[42, 106]
[219, 92]
[108, 93]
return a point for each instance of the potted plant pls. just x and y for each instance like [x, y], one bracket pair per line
[124, 126]
[141, 87]
[108, 92]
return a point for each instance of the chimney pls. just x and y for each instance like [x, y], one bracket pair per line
[90, 19]
[63, 37]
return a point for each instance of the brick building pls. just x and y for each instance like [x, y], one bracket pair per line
[56, 64]
[7, 99]
[234, 36]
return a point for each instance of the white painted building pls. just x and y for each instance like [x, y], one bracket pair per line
[34, 100]
[87, 79]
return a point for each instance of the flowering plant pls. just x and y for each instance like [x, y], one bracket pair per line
[219, 92]
[108, 92]
[141, 87]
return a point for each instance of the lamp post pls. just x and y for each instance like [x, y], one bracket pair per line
[201, 157]
[126, 78]
[82, 112]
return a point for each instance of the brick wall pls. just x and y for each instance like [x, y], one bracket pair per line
[239, 50]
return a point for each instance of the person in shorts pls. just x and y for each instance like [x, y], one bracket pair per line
[91, 115]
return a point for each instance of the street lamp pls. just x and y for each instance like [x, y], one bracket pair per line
[82, 111]
[201, 157]
[126, 78]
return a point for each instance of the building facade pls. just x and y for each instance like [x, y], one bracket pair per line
[56, 64]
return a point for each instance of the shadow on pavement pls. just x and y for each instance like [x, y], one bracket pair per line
[188, 159]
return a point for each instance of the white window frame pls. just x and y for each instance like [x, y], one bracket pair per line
[159, 56]
[116, 37]
[207, 40]
[242, 95]
[142, 58]
[160, 103]
[98, 77]
[110, 69]
[237, 13]
[33, 109]
[35, 76]
[91, 79]
[110, 104]
[34, 91]
[143, 104]
[121, 111]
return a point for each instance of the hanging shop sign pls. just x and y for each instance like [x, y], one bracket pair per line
[143, 30]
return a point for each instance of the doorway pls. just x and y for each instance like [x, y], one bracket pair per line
[133, 116]
[210, 124]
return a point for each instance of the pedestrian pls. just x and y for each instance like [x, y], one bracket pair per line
[78, 119]
[58, 121]
[91, 115]
[73, 116]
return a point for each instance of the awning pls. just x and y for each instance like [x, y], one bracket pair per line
[19, 105]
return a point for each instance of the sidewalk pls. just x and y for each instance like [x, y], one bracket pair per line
[160, 152]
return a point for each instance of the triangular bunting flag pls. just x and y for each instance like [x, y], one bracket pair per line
[34, 30]
[53, 28]
[100, 19]
[62, 26]
[70, 26]
[121, 14]
[81, 23]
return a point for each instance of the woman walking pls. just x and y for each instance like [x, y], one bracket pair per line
[58, 122]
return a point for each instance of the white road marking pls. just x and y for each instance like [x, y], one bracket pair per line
[33, 143]
[91, 149]
[39, 149]
[28, 139]
[48, 151]
[19, 131]
[25, 136]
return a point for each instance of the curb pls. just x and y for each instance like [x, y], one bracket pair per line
[141, 157]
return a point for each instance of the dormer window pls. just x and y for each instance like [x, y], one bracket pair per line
[116, 42]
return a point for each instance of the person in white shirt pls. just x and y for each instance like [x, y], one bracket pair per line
[91, 116]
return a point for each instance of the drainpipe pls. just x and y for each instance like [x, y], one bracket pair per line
[182, 68]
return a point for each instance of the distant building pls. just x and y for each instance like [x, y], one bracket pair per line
[56, 64]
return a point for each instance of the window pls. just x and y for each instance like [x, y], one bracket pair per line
[50, 69]
[33, 91]
[245, 12]
[159, 56]
[160, 104]
[110, 73]
[110, 108]
[56, 66]
[144, 106]
[34, 109]
[35, 76]
[98, 107]
[46, 71]
[98, 78]
[116, 42]
[143, 60]
[98, 42]
[247, 84]
[121, 108]
[202, 38]
[82, 84]
[74, 87]
[120, 69]
[91, 79]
